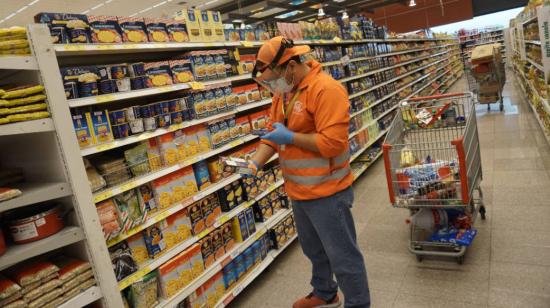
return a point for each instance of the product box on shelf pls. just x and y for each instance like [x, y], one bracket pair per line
[156, 29]
[196, 217]
[250, 223]
[168, 149]
[207, 251]
[177, 31]
[226, 195]
[196, 299]
[138, 247]
[217, 243]
[169, 278]
[210, 209]
[133, 29]
[202, 175]
[177, 228]
[192, 21]
[278, 236]
[240, 227]
[105, 29]
[82, 130]
[195, 258]
[163, 191]
[207, 29]
[108, 217]
[159, 74]
[262, 210]
[246, 64]
[154, 240]
[66, 28]
[181, 71]
[217, 25]
[203, 138]
[185, 271]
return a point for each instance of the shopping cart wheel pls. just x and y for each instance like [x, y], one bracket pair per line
[482, 212]
[460, 260]
[419, 258]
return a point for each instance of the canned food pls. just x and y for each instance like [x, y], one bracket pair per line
[107, 86]
[119, 71]
[104, 72]
[121, 130]
[145, 111]
[71, 90]
[123, 85]
[164, 107]
[86, 89]
[117, 116]
[163, 120]
[136, 126]
[137, 83]
[132, 113]
[150, 123]
[176, 117]
[136, 69]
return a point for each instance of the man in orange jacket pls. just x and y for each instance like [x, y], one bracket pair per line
[310, 112]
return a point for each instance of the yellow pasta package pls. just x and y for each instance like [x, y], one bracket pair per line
[163, 191]
[169, 278]
[203, 138]
[189, 181]
[191, 142]
[138, 248]
[153, 154]
[105, 29]
[168, 149]
[22, 101]
[195, 258]
[185, 271]
[22, 92]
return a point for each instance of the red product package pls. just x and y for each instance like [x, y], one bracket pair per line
[31, 271]
[70, 267]
[7, 288]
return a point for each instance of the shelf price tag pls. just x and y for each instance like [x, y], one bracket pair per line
[259, 234]
[103, 196]
[195, 85]
[105, 47]
[105, 147]
[323, 41]
[237, 290]
[247, 44]
[337, 39]
[104, 98]
[128, 186]
[204, 233]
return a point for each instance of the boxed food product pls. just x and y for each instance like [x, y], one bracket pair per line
[177, 31]
[206, 27]
[210, 102]
[226, 196]
[156, 29]
[185, 272]
[168, 149]
[215, 167]
[240, 228]
[230, 98]
[229, 275]
[159, 74]
[65, 27]
[278, 236]
[219, 59]
[258, 120]
[105, 29]
[147, 198]
[240, 94]
[219, 96]
[217, 243]
[210, 209]
[197, 299]
[290, 227]
[100, 126]
[191, 141]
[179, 141]
[246, 64]
[154, 240]
[136, 158]
[144, 293]
[198, 64]
[129, 209]
[169, 278]
[181, 71]
[138, 248]
[196, 218]
[262, 210]
[251, 225]
[203, 138]
[215, 134]
[191, 18]
[216, 23]
[202, 176]
[224, 131]
[133, 29]
[227, 235]
[153, 154]
[243, 125]
[240, 197]
[207, 251]
[257, 248]
[195, 258]
[248, 258]
[122, 260]
[252, 93]
[183, 225]
[189, 182]
[240, 267]
[250, 187]
[82, 130]
[199, 105]
[108, 218]
[211, 65]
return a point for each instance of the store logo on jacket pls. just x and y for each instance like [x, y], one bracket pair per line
[298, 108]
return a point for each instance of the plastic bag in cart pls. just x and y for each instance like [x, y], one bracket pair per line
[461, 237]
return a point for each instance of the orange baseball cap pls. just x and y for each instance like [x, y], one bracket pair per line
[269, 51]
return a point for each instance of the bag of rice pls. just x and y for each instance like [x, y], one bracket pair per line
[31, 271]
[70, 267]
[8, 288]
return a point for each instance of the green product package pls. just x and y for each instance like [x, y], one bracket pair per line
[136, 158]
[144, 293]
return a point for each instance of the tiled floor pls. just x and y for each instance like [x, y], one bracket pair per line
[508, 265]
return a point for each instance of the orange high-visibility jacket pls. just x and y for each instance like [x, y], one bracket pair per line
[322, 108]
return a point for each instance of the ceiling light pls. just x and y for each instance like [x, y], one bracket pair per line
[321, 12]
[236, 21]
[345, 15]
[412, 3]
[243, 25]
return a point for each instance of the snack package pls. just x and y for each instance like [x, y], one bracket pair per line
[258, 120]
[42, 289]
[108, 217]
[246, 64]
[168, 149]
[136, 159]
[182, 71]
[105, 29]
[100, 126]
[123, 262]
[82, 130]
[154, 240]
[147, 198]
[144, 293]
[163, 191]
[129, 209]
[8, 288]
[243, 126]
[133, 29]
[138, 248]
[20, 92]
[177, 31]
[240, 93]
[158, 73]
[156, 29]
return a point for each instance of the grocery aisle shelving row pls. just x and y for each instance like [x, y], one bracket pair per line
[28, 127]
[18, 63]
[83, 299]
[360, 171]
[36, 192]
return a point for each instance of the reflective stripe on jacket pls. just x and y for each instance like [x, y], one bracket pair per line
[322, 109]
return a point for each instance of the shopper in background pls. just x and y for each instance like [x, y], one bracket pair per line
[310, 112]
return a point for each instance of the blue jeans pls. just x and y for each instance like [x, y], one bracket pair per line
[327, 235]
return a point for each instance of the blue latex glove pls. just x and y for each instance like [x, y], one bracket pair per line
[280, 135]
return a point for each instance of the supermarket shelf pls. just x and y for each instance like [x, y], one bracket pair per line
[429, 83]
[480, 33]
[531, 19]
[358, 153]
[161, 131]
[535, 64]
[544, 101]
[18, 63]
[251, 276]
[36, 192]
[535, 113]
[261, 229]
[27, 127]
[355, 133]
[18, 253]
[107, 98]
[532, 42]
[153, 264]
[359, 172]
[135, 182]
[83, 299]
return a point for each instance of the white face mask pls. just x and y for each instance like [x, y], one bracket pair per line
[281, 86]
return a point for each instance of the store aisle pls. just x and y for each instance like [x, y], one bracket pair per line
[507, 266]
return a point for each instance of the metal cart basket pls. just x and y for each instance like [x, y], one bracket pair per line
[432, 161]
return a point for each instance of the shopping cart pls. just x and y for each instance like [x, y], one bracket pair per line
[433, 164]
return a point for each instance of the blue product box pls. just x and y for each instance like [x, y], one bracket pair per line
[249, 214]
[229, 274]
[248, 258]
[202, 176]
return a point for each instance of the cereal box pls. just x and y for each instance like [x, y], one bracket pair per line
[185, 271]
[207, 251]
[153, 154]
[203, 138]
[133, 29]
[158, 74]
[138, 248]
[240, 228]
[181, 71]
[210, 209]
[177, 31]
[169, 279]
[100, 126]
[191, 18]
[163, 191]
[202, 176]
[217, 243]
[82, 130]
[147, 198]
[196, 218]
[105, 29]
[154, 240]
[156, 29]
[191, 141]
[206, 28]
[195, 258]
[168, 149]
[227, 234]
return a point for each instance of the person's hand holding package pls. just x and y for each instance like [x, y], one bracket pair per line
[242, 166]
[280, 135]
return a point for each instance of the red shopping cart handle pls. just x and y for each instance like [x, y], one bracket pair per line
[423, 98]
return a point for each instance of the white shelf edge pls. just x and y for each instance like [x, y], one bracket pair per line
[18, 63]
[27, 127]
[83, 299]
[535, 64]
[161, 131]
[36, 192]
[371, 143]
[362, 170]
[17, 253]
